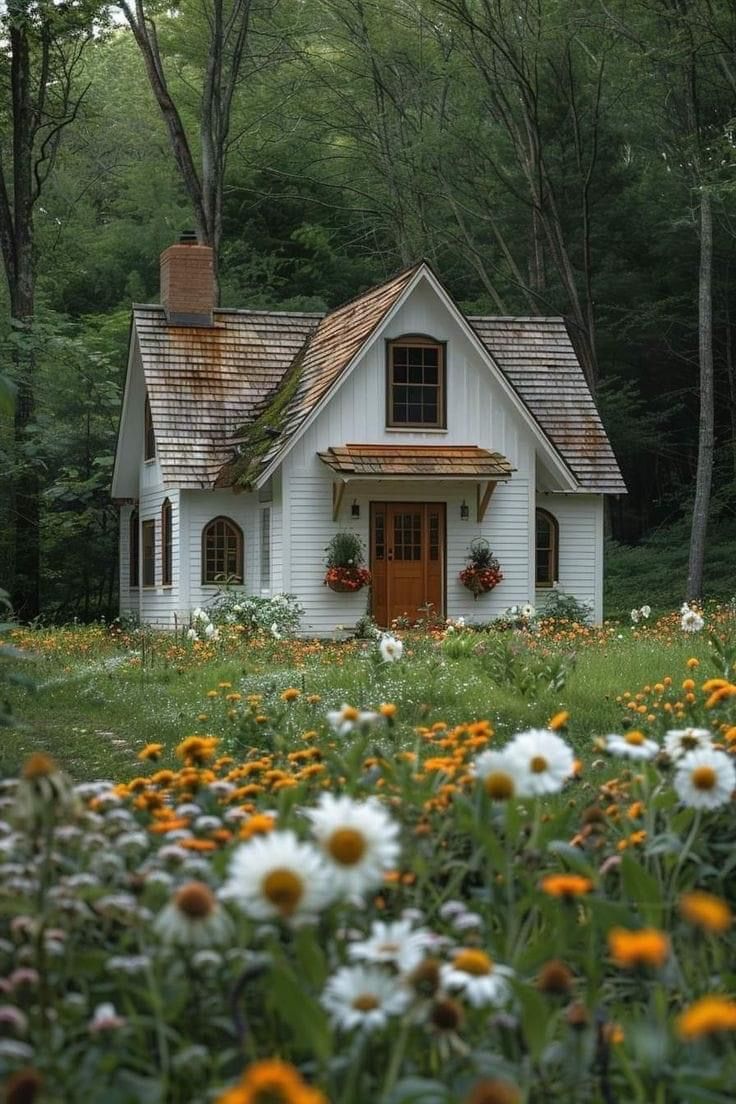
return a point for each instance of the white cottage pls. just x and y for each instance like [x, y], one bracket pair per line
[248, 438]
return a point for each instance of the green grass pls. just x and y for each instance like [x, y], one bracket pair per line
[93, 715]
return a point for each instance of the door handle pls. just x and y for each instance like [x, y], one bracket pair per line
[390, 554]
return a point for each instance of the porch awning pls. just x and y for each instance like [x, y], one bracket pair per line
[416, 461]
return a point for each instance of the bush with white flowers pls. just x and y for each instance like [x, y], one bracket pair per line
[277, 615]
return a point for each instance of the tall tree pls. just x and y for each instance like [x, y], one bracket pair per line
[226, 38]
[41, 55]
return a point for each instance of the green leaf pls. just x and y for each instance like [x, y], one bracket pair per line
[534, 1018]
[291, 1003]
[642, 888]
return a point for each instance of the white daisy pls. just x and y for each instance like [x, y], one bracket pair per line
[395, 943]
[499, 774]
[345, 720]
[363, 996]
[645, 611]
[635, 615]
[631, 745]
[193, 917]
[473, 974]
[679, 741]
[278, 875]
[528, 611]
[705, 779]
[358, 840]
[545, 760]
[691, 621]
[390, 648]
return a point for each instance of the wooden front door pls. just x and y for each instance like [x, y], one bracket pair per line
[407, 559]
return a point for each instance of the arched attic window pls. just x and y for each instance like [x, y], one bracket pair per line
[222, 551]
[547, 549]
[134, 550]
[166, 546]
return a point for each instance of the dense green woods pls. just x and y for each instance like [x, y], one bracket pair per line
[547, 157]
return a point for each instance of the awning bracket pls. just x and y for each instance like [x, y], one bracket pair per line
[482, 499]
[338, 491]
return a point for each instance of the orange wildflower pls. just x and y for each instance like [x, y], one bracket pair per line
[272, 1080]
[645, 947]
[565, 885]
[707, 911]
[706, 1016]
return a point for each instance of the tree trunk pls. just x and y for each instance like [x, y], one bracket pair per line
[704, 473]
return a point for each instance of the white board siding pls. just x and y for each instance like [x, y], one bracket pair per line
[201, 507]
[477, 414]
[128, 598]
[580, 521]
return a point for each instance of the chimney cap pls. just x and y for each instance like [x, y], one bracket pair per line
[188, 237]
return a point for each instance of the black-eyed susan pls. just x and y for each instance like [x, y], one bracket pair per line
[150, 753]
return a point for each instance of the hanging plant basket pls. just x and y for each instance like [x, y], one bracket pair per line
[345, 580]
[480, 580]
[482, 571]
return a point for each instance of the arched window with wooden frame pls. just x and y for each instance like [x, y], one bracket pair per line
[547, 549]
[166, 545]
[415, 382]
[149, 437]
[134, 550]
[222, 551]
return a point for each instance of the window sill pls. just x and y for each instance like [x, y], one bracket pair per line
[150, 459]
[544, 586]
[416, 429]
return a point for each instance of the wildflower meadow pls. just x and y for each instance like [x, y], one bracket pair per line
[453, 864]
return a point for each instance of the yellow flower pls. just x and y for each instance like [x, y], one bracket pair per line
[566, 885]
[291, 694]
[705, 910]
[559, 721]
[646, 947]
[692, 663]
[708, 1015]
[272, 1081]
[150, 751]
[387, 709]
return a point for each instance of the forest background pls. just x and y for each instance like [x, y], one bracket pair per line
[549, 157]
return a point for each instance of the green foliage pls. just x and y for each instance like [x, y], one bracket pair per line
[278, 614]
[565, 608]
[509, 661]
[345, 549]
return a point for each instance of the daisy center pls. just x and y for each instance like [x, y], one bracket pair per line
[346, 846]
[704, 778]
[272, 1094]
[635, 738]
[284, 889]
[499, 786]
[474, 962]
[365, 1002]
[538, 765]
[195, 900]
[388, 948]
[350, 713]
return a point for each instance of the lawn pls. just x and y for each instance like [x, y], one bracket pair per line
[98, 699]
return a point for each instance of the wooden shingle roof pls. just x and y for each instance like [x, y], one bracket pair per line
[538, 358]
[206, 381]
[226, 400]
[440, 461]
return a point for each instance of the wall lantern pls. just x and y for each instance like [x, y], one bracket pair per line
[355, 509]
[464, 510]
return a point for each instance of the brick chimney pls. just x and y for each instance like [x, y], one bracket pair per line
[188, 282]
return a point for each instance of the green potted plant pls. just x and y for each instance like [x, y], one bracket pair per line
[345, 563]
